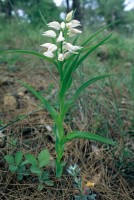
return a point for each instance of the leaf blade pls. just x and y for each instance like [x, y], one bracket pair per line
[82, 87]
[44, 158]
[87, 135]
[28, 52]
[99, 31]
[18, 157]
[91, 50]
[42, 99]
[31, 159]
[9, 159]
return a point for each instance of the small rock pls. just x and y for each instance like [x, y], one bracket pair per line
[128, 64]
[49, 129]
[2, 139]
[5, 80]
[20, 94]
[22, 89]
[10, 102]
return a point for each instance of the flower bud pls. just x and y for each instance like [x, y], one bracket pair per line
[54, 25]
[69, 16]
[50, 33]
[62, 25]
[72, 32]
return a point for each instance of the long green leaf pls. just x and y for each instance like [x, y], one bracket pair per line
[39, 55]
[91, 50]
[81, 88]
[75, 64]
[42, 99]
[87, 135]
[27, 52]
[19, 118]
[66, 83]
[99, 31]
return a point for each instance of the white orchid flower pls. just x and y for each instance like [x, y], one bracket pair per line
[73, 24]
[54, 25]
[72, 48]
[49, 54]
[62, 25]
[60, 38]
[72, 32]
[69, 16]
[61, 57]
[50, 47]
[50, 33]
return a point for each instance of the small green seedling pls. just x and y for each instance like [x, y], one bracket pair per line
[17, 165]
[37, 165]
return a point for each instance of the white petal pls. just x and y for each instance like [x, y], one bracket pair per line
[68, 25]
[72, 48]
[76, 48]
[50, 33]
[50, 47]
[72, 32]
[62, 25]
[69, 16]
[69, 46]
[75, 23]
[54, 25]
[47, 45]
[49, 54]
[61, 57]
[60, 38]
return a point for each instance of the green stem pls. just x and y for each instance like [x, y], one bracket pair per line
[59, 139]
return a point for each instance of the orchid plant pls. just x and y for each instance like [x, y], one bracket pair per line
[66, 57]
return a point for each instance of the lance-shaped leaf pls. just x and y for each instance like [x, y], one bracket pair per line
[27, 52]
[19, 118]
[87, 135]
[91, 50]
[39, 55]
[45, 103]
[66, 83]
[81, 88]
[75, 64]
[99, 31]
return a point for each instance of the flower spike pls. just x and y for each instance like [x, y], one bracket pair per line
[61, 49]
